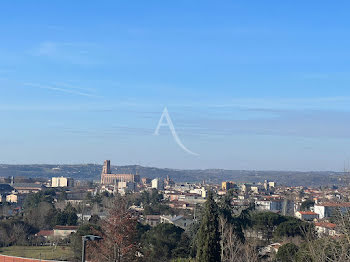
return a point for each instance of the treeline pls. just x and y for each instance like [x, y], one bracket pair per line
[219, 234]
[39, 213]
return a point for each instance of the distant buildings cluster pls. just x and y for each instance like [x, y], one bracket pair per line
[323, 204]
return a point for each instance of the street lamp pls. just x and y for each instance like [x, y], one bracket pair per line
[84, 239]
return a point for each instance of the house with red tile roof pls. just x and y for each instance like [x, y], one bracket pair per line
[326, 228]
[306, 215]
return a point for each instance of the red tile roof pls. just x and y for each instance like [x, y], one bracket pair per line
[65, 228]
[45, 233]
[332, 204]
[325, 224]
[307, 213]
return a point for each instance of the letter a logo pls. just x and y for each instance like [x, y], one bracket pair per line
[169, 123]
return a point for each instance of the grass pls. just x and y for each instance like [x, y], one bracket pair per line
[43, 252]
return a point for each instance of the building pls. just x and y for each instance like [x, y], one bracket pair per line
[306, 215]
[272, 184]
[158, 184]
[255, 189]
[62, 182]
[46, 234]
[126, 186]
[273, 205]
[266, 185]
[146, 180]
[227, 185]
[284, 206]
[107, 178]
[26, 188]
[288, 207]
[152, 220]
[64, 231]
[245, 188]
[5, 189]
[179, 221]
[169, 182]
[325, 228]
[14, 198]
[330, 209]
[123, 187]
[182, 205]
[199, 191]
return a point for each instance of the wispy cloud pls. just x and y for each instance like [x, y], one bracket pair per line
[73, 52]
[327, 102]
[71, 86]
[72, 90]
[310, 123]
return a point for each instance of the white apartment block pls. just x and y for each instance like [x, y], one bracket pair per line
[62, 182]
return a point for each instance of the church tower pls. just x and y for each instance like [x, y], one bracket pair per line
[105, 170]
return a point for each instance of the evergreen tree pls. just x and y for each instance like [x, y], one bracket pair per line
[208, 245]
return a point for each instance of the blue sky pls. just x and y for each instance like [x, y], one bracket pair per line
[258, 85]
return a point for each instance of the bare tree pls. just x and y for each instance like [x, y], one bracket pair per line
[329, 248]
[232, 248]
[119, 235]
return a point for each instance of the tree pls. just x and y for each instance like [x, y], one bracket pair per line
[61, 218]
[182, 250]
[76, 238]
[67, 217]
[72, 219]
[161, 241]
[233, 249]
[208, 245]
[157, 209]
[305, 206]
[328, 248]
[287, 252]
[293, 227]
[226, 215]
[34, 199]
[118, 234]
[62, 196]
[15, 232]
[94, 219]
[41, 215]
[266, 222]
[141, 230]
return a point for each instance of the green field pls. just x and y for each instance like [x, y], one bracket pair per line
[39, 252]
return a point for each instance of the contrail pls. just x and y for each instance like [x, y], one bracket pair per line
[64, 90]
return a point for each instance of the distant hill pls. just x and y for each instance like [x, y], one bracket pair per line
[92, 172]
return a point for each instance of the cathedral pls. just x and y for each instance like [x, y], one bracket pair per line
[107, 178]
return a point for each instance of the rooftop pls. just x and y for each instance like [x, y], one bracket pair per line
[27, 185]
[333, 204]
[326, 225]
[5, 187]
[307, 213]
[65, 228]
